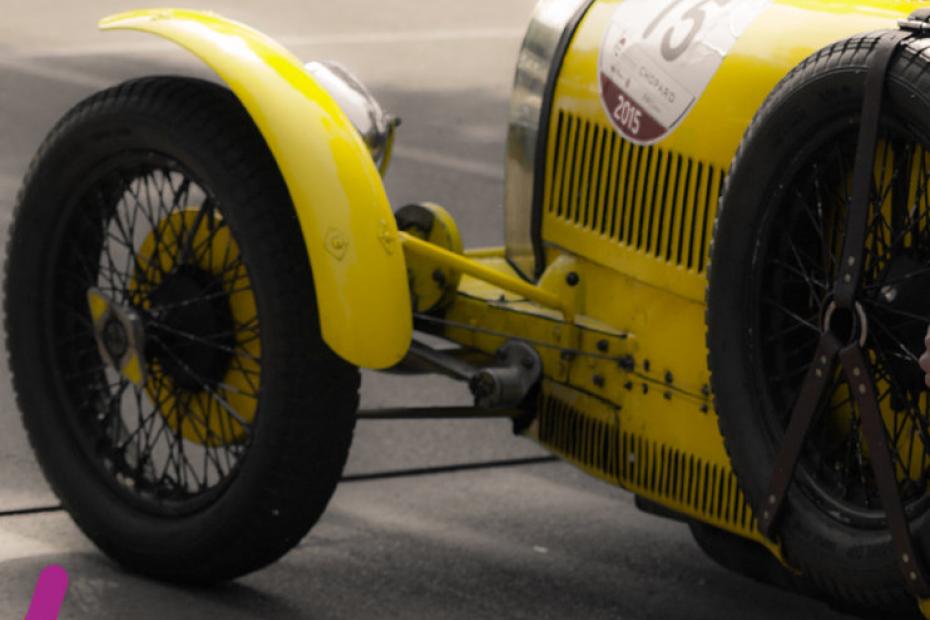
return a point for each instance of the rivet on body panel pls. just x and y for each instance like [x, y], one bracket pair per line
[336, 243]
[387, 237]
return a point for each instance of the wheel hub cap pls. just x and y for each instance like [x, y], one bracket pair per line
[194, 328]
[120, 336]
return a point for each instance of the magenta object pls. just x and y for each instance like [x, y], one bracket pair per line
[49, 594]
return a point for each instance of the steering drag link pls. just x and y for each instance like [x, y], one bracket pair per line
[842, 341]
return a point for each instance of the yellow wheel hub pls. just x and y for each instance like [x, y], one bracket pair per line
[214, 411]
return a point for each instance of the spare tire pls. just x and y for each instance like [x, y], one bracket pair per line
[776, 244]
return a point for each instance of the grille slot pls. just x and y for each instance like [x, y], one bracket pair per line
[646, 198]
[586, 440]
[643, 465]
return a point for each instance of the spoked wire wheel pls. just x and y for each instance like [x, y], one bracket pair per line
[164, 337]
[154, 243]
[797, 332]
[802, 258]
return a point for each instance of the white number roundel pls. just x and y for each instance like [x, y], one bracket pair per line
[658, 56]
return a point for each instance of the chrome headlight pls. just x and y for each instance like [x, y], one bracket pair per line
[373, 124]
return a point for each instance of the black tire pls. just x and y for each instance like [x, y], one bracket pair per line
[743, 557]
[283, 462]
[751, 560]
[832, 528]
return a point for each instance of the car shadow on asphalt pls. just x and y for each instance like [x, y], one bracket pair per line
[99, 588]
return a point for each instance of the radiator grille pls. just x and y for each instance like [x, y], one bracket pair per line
[646, 198]
[591, 442]
[644, 465]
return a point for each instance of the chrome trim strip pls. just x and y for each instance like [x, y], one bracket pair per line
[550, 31]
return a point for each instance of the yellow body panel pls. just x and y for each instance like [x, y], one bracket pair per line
[344, 214]
[780, 38]
[649, 427]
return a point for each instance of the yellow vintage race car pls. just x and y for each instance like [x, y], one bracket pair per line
[714, 290]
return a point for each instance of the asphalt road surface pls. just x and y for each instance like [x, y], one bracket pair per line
[538, 540]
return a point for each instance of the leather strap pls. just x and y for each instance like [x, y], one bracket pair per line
[848, 276]
[859, 376]
[855, 365]
[818, 379]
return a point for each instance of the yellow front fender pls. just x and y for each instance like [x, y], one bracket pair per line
[351, 236]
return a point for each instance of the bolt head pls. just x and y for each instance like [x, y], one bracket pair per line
[115, 338]
[889, 293]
